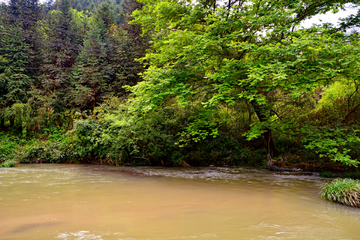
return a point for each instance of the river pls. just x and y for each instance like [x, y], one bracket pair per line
[78, 202]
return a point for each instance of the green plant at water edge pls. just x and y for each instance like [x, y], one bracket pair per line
[345, 191]
[8, 163]
[326, 175]
[353, 175]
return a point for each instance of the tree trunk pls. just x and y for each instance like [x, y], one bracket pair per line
[268, 139]
[269, 143]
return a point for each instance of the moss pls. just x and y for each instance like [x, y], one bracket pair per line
[345, 191]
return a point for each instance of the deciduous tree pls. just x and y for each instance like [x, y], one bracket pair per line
[218, 53]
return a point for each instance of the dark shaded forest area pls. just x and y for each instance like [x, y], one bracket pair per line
[176, 83]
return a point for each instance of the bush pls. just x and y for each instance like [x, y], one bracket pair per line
[47, 151]
[8, 146]
[8, 163]
[326, 175]
[345, 191]
[354, 175]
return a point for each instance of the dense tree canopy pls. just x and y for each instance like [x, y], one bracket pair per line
[177, 82]
[219, 53]
[59, 60]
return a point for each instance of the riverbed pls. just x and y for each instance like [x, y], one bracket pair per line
[60, 201]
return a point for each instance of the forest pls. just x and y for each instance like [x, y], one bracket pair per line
[180, 83]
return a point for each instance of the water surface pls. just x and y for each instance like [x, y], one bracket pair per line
[103, 202]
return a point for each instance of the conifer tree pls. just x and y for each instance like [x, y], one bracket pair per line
[18, 54]
[94, 63]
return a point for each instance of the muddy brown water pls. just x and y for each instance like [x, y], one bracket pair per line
[79, 202]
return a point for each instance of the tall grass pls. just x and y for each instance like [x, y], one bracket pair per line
[345, 191]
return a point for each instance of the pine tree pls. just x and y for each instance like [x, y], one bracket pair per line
[59, 53]
[15, 81]
[18, 54]
[94, 63]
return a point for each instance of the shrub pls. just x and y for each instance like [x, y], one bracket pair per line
[353, 175]
[326, 175]
[8, 146]
[8, 163]
[345, 191]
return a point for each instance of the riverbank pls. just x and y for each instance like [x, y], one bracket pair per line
[60, 147]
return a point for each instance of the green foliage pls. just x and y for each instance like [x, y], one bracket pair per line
[338, 91]
[221, 55]
[353, 175]
[41, 151]
[14, 79]
[345, 191]
[19, 115]
[152, 139]
[87, 141]
[8, 146]
[326, 175]
[157, 139]
[225, 149]
[335, 143]
[336, 100]
[83, 59]
[217, 79]
[8, 163]
[92, 5]
[103, 13]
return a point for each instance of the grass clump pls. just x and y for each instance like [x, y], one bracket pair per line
[326, 175]
[8, 163]
[345, 191]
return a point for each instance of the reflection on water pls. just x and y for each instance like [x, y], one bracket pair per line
[76, 202]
